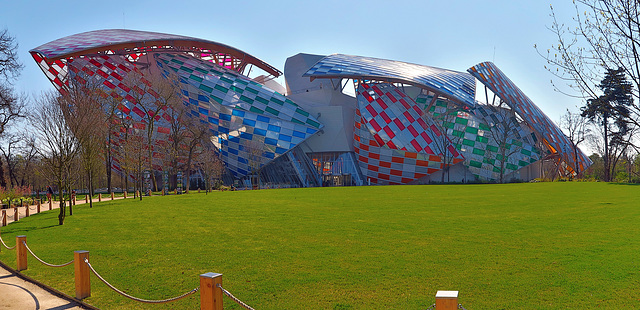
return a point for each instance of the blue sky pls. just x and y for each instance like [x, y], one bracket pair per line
[455, 34]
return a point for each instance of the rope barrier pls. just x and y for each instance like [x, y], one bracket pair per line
[461, 307]
[433, 306]
[5, 245]
[234, 298]
[135, 298]
[43, 262]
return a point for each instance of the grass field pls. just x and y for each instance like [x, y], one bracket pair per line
[513, 246]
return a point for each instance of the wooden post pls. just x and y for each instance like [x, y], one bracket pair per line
[125, 194]
[86, 198]
[26, 211]
[4, 217]
[99, 197]
[447, 300]
[136, 194]
[50, 204]
[83, 274]
[16, 216]
[210, 293]
[21, 253]
[198, 189]
[163, 192]
[112, 196]
[74, 199]
[38, 205]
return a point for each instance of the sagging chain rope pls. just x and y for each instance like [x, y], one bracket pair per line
[234, 298]
[5, 245]
[135, 298]
[43, 262]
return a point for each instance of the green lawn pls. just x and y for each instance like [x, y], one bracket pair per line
[514, 246]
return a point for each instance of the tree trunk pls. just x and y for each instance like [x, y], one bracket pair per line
[126, 180]
[188, 185]
[90, 190]
[108, 162]
[607, 163]
[70, 200]
[3, 183]
[62, 213]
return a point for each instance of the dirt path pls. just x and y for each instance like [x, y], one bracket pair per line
[33, 209]
[19, 292]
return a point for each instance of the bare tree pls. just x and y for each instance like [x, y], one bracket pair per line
[174, 146]
[132, 152]
[152, 95]
[445, 120]
[12, 105]
[575, 126]
[25, 161]
[110, 123]
[504, 132]
[211, 165]
[10, 143]
[605, 34]
[81, 106]
[56, 143]
[195, 139]
[255, 150]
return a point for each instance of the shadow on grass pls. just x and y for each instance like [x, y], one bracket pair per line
[632, 184]
[16, 229]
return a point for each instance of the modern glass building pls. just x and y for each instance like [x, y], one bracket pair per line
[345, 120]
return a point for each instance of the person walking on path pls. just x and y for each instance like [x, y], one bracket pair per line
[49, 192]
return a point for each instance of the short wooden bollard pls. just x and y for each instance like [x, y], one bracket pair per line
[16, 216]
[125, 194]
[86, 198]
[83, 274]
[4, 218]
[99, 197]
[210, 293]
[112, 197]
[198, 190]
[26, 211]
[163, 192]
[21, 253]
[50, 204]
[39, 205]
[447, 300]
[136, 194]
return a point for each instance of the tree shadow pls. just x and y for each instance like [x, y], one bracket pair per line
[18, 230]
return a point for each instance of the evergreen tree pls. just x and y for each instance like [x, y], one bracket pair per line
[612, 113]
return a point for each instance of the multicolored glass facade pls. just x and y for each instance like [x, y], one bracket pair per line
[409, 123]
[492, 141]
[250, 124]
[554, 139]
[395, 142]
[242, 114]
[456, 85]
